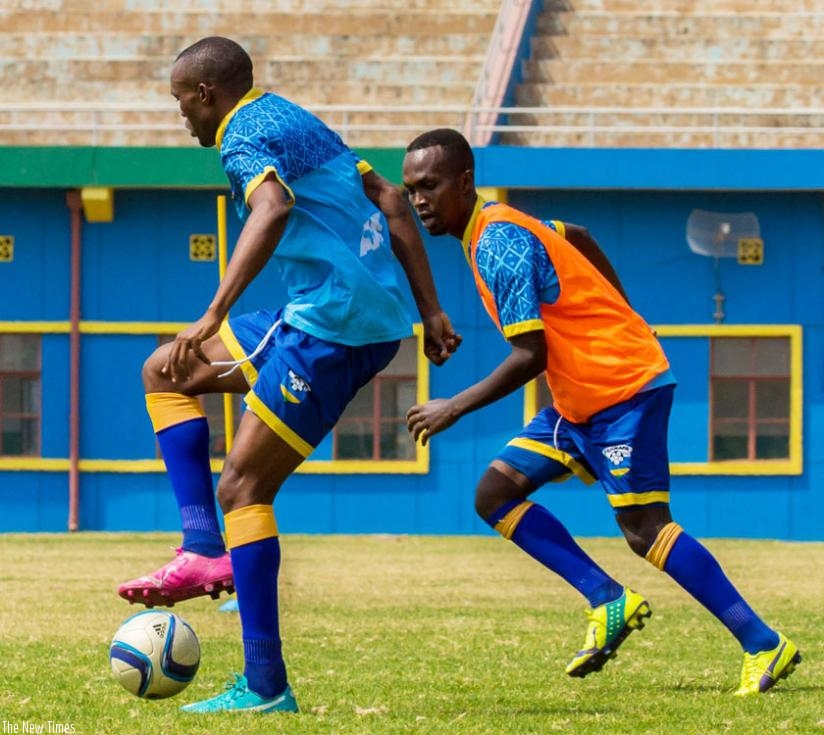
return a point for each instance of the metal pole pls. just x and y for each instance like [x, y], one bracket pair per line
[75, 207]
[222, 259]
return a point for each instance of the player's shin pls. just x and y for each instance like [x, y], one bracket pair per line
[183, 434]
[540, 534]
[252, 537]
[693, 567]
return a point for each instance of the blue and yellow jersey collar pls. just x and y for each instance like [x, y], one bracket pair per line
[253, 94]
[470, 226]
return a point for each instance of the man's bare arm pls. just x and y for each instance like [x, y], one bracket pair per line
[586, 245]
[439, 336]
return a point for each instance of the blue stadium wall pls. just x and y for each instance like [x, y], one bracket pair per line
[137, 268]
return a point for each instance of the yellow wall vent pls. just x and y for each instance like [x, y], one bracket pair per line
[751, 251]
[6, 248]
[202, 247]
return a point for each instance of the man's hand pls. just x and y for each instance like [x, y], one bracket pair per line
[177, 365]
[431, 418]
[439, 338]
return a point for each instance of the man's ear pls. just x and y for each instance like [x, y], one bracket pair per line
[468, 181]
[205, 93]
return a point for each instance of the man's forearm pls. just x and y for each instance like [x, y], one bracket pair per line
[408, 249]
[255, 245]
[406, 241]
[513, 373]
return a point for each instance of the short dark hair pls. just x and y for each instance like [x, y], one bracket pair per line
[221, 61]
[456, 147]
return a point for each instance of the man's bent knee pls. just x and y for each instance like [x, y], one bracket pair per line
[203, 377]
[153, 379]
[495, 489]
[641, 527]
[236, 489]
[639, 543]
[227, 486]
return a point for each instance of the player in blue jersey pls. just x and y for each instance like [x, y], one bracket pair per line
[334, 229]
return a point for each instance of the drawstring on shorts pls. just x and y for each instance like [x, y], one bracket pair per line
[235, 364]
[555, 432]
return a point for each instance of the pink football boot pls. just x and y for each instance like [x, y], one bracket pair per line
[187, 575]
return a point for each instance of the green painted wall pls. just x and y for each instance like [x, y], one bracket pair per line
[69, 167]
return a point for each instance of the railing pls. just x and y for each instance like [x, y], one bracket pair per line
[92, 120]
[498, 69]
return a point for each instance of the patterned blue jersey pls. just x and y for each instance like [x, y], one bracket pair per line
[335, 255]
[517, 270]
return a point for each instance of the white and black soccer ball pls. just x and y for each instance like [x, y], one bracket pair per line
[154, 654]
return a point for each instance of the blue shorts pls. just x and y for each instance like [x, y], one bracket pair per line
[624, 447]
[300, 385]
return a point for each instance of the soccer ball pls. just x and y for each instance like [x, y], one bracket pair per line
[154, 654]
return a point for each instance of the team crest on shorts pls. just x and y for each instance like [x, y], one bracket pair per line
[618, 454]
[294, 388]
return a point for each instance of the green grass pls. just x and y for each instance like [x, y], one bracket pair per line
[412, 635]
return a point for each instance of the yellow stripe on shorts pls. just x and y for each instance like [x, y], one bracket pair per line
[623, 500]
[237, 353]
[572, 464]
[276, 424]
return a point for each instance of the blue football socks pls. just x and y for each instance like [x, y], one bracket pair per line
[185, 449]
[697, 571]
[256, 567]
[541, 535]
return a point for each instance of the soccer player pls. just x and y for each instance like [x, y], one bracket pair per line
[331, 224]
[552, 293]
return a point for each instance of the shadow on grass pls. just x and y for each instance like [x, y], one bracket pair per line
[782, 689]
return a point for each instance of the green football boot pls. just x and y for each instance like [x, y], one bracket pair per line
[609, 625]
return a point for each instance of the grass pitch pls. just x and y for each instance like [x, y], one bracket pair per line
[410, 635]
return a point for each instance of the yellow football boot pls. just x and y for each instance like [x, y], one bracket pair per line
[609, 625]
[761, 671]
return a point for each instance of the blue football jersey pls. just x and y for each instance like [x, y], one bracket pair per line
[335, 255]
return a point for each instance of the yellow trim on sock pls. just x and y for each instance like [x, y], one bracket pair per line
[565, 459]
[290, 436]
[507, 525]
[170, 409]
[660, 550]
[249, 524]
[237, 352]
[625, 499]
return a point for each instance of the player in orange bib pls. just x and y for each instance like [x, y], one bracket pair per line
[555, 297]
